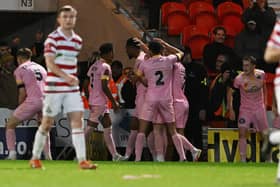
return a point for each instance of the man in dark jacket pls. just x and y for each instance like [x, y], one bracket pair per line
[249, 42]
[196, 90]
[264, 16]
[212, 50]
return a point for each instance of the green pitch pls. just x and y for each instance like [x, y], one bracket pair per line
[144, 174]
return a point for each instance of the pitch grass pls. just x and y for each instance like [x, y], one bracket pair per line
[143, 174]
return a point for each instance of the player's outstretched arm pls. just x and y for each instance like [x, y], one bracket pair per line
[171, 49]
[142, 45]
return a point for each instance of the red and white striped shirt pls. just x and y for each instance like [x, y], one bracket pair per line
[274, 40]
[65, 49]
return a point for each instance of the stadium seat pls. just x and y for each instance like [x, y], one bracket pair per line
[206, 20]
[229, 14]
[246, 4]
[176, 23]
[168, 8]
[195, 37]
[199, 7]
[189, 2]
[203, 13]
[226, 8]
[234, 22]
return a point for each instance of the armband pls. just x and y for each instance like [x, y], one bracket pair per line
[105, 77]
[20, 86]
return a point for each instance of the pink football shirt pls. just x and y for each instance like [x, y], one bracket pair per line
[179, 75]
[251, 90]
[95, 72]
[158, 70]
[140, 88]
[33, 76]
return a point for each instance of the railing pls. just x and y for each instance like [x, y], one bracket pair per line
[146, 34]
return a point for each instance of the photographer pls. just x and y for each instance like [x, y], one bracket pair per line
[220, 97]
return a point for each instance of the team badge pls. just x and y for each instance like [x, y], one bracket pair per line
[241, 121]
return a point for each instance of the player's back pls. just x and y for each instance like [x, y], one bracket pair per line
[96, 71]
[33, 76]
[158, 71]
[178, 84]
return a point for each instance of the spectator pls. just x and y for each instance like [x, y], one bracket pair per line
[118, 79]
[196, 90]
[249, 42]
[128, 91]
[212, 50]
[219, 99]
[38, 49]
[264, 16]
[15, 45]
[221, 59]
[8, 87]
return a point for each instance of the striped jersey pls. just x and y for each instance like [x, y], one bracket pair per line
[274, 40]
[65, 49]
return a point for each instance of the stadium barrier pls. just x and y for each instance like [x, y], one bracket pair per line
[223, 146]
[222, 143]
[61, 135]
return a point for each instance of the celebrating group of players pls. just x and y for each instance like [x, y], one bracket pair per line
[159, 77]
[159, 80]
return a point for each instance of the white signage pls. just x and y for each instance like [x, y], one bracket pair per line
[26, 4]
[29, 5]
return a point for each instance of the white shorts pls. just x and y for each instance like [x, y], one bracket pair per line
[53, 104]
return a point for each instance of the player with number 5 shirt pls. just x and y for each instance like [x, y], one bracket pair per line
[30, 78]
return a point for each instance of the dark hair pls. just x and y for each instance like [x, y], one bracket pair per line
[24, 53]
[226, 66]
[93, 58]
[216, 29]
[131, 42]
[66, 8]
[251, 59]
[118, 64]
[155, 47]
[106, 48]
